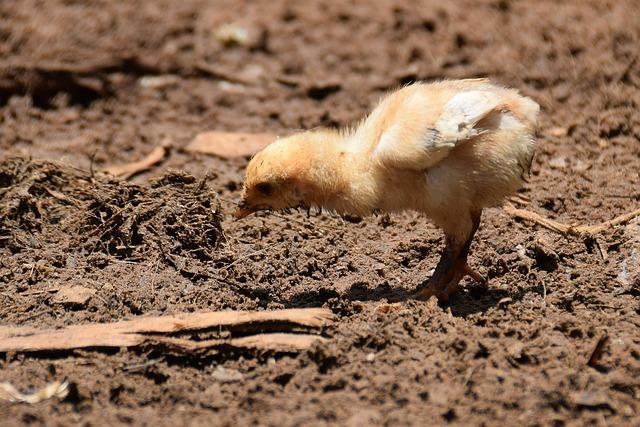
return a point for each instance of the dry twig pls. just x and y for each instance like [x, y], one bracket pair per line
[130, 169]
[573, 229]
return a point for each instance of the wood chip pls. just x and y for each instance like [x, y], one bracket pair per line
[597, 352]
[386, 308]
[591, 399]
[559, 162]
[505, 301]
[230, 34]
[130, 169]
[602, 249]
[225, 375]
[516, 350]
[58, 389]
[74, 295]
[143, 330]
[229, 145]
[520, 200]
[557, 131]
[158, 82]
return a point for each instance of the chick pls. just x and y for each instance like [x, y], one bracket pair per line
[447, 149]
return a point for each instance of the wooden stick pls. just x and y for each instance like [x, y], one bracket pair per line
[140, 330]
[564, 229]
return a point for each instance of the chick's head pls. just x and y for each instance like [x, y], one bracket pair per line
[274, 178]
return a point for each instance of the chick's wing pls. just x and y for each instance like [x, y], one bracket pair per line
[422, 127]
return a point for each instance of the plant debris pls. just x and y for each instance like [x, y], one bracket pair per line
[564, 229]
[156, 330]
[128, 170]
[40, 202]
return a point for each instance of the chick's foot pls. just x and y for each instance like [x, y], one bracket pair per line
[442, 286]
[452, 266]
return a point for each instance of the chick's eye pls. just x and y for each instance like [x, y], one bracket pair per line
[265, 188]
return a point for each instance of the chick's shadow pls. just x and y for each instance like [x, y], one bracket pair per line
[470, 299]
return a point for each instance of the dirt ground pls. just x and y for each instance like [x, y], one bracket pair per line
[80, 90]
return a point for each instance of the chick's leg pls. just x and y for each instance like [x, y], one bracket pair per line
[453, 264]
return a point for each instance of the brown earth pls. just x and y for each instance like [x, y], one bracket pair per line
[79, 86]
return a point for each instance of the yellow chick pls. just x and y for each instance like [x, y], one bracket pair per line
[447, 149]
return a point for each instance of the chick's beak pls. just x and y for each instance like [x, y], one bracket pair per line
[242, 211]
